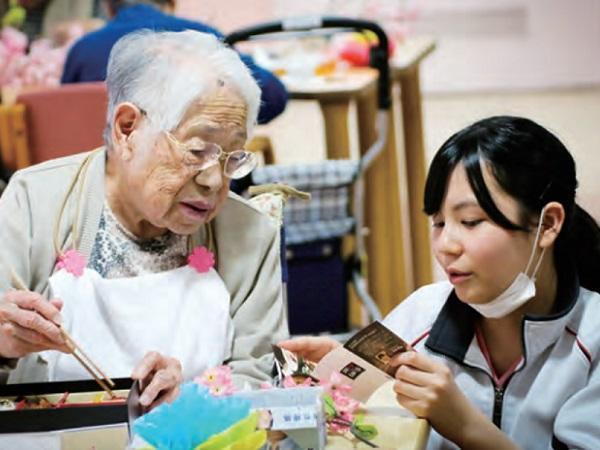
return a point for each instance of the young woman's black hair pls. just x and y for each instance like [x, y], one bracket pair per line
[534, 167]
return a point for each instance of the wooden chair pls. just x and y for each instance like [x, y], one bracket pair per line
[52, 122]
[11, 129]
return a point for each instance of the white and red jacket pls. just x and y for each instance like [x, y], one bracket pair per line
[551, 398]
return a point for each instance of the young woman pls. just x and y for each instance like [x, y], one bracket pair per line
[506, 352]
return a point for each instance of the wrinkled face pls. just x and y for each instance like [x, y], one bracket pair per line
[480, 258]
[171, 194]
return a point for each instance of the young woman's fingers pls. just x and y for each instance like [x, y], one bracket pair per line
[410, 390]
[310, 348]
[415, 376]
[417, 360]
[415, 406]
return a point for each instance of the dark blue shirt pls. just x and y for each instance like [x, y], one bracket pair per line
[88, 58]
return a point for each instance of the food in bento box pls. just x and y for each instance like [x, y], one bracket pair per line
[64, 400]
[7, 405]
[35, 403]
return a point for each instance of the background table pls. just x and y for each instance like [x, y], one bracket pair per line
[407, 89]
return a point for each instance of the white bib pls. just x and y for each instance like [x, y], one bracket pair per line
[180, 313]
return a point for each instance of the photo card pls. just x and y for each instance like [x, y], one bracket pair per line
[364, 361]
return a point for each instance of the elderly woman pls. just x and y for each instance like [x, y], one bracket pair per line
[123, 239]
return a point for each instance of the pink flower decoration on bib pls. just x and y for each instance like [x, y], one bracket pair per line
[72, 261]
[201, 259]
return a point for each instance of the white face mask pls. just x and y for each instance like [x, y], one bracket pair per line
[519, 292]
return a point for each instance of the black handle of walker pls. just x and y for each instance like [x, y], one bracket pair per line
[378, 55]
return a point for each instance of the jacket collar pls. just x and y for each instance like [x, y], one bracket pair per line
[453, 331]
[540, 332]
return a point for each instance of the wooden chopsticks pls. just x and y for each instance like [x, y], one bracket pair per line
[92, 368]
[87, 363]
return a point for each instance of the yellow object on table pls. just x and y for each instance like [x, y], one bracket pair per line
[240, 436]
[397, 428]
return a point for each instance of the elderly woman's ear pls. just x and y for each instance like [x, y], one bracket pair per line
[127, 118]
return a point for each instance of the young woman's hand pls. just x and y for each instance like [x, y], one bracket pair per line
[160, 376]
[427, 389]
[310, 348]
[28, 323]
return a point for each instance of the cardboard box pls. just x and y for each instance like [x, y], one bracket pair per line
[298, 412]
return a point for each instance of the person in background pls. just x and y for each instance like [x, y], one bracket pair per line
[507, 352]
[138, 248]
[88, 57]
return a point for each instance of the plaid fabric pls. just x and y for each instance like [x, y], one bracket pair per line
[327, 214]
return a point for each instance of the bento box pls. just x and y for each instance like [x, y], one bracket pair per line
[64, 415]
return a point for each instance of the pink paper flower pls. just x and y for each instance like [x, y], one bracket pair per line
[72, 261]
[201, 259]
[222, 391]
[344, 404]
[266, 385]
[218, 380]
[335, 384]
[214, 375]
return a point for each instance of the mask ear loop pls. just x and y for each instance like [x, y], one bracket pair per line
[535, 243]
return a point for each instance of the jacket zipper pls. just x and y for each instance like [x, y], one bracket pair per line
[498, 398]
[498, 390]
[498, 393]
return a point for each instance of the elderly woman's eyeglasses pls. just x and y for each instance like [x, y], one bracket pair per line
[203, 155]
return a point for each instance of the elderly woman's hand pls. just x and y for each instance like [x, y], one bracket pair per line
[160, 376]
[311, 348]
[28, 323]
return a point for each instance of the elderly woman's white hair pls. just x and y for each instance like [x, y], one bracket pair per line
[163, 72]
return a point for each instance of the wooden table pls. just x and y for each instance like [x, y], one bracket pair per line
[398, 243]
[335, 93]
[405, 75]
[397, 428]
